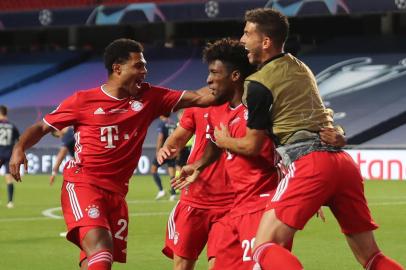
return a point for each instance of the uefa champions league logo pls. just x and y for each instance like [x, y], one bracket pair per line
[401, 4]
[45, 17]
[355, 74]
[212, 9]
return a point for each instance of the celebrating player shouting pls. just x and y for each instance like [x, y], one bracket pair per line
[110, 123]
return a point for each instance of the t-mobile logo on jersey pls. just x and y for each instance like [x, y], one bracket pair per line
[109, 134]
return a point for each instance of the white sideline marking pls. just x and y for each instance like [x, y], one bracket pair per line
[49, 213]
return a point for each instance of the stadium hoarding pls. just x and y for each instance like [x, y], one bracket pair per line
[375, 164]
[190, 11]
[380, 164]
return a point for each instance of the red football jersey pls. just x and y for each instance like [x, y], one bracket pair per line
[109, 133]
[213, 188]
[253, 178]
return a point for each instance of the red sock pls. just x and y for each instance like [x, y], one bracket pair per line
[378, 261]
[271, 256]
[101, 260]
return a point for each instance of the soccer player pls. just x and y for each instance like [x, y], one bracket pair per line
[252, 178]
[8, 137]
[68, 146]
[110, 123]
[165, 127]
[195, 220]
[282, 97]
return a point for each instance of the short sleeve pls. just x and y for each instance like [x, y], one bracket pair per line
[259, 102]
[64, 115]
[167, 98]
[187, 120]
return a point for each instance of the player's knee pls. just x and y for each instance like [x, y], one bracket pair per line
[95, 239]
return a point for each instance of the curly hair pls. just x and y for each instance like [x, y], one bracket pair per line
[118, 52]
[271, 23]
[232, 53]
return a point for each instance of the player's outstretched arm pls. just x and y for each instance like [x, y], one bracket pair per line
[203, 97]
[250, 145]
[173, 144]
[30, 137]
[191, 172]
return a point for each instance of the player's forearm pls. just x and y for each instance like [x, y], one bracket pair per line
[242, 146]
[32, 135]
[178, 139]
[210, 155]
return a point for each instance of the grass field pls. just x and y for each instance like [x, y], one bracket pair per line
[31, 241]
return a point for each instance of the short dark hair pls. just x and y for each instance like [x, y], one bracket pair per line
[119, 51]
[3, 110]
[232, 53]
[271, 23]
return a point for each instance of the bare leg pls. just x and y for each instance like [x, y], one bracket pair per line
[212, 260]
[83, 265]
[98, 241]
[271, 229]
[363, 245]
[180, 263]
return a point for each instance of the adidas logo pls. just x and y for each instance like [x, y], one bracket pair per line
[99, 111]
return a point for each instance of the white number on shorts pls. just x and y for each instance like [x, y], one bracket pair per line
[123, 223]
[247, 245]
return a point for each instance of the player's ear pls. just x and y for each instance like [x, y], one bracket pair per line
[116, 68]
[235, 75]
[266, 42]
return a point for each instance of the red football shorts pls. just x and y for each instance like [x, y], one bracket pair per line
[236, 241]
[323, 178]
[189, 229]
[86, 206]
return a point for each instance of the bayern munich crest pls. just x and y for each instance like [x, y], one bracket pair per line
[93, 211]
[137, 106]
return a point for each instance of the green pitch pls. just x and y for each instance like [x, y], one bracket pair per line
[30, 241]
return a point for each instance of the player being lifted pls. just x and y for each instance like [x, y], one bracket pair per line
[252, 178]
[110, 123]
[282, 97]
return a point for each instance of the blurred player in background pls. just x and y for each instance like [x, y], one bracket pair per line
[165, 128]
[67, 137]
[8, 137]
[282, 97]
[110, 123]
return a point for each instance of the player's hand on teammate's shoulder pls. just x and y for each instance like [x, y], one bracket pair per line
[332, 136]
[187, 176]
[165, 153]
[221, 134]
[17, 158]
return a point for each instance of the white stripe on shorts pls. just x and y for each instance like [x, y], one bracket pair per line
[283, 185]
[74, 203]
[171, 223]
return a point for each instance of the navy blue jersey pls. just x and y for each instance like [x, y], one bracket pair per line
[8, 137]
[68, 140]
[166, 127]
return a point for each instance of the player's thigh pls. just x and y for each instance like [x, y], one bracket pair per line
[303, 190]
[118, 220]
[187, 231]
[350, 195]
[216, 230]
[83, 205]
[229, 253]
